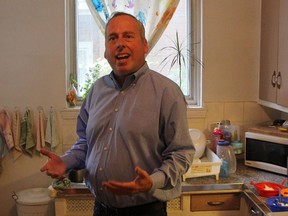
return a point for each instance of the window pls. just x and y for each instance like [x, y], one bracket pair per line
[86, 47]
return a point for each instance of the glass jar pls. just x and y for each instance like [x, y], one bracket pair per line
[226, 153]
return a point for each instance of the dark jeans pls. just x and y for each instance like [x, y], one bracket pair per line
[151, 209]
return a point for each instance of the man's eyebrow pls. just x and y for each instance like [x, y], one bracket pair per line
[114, 34]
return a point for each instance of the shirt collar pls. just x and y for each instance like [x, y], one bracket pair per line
[132, 78]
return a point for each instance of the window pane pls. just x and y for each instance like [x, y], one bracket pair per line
[90, 48]
[157, 55]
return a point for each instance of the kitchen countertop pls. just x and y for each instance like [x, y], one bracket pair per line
[272, 130]
[236, 182]
[244, 174]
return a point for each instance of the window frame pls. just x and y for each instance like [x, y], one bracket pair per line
[195, 40]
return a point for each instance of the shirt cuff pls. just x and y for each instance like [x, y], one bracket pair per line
[158, 179]
[68, 160]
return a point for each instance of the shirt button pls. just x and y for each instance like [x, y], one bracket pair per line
[101, 169]
[105, 148]
[122, 92]
[110, 129]
[116, 110]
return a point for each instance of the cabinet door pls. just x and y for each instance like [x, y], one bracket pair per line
[269, 49]
[282, 87]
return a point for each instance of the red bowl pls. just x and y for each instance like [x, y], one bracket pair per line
[267, 189]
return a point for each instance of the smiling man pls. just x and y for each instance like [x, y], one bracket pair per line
[133, 136]
[125, 45]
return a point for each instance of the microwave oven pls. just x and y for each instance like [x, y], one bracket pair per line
[266, 152]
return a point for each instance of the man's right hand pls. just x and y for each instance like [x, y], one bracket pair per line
[54, 167]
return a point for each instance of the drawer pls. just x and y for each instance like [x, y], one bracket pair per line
[215, 202]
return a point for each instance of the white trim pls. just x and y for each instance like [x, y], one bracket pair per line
[196, 74]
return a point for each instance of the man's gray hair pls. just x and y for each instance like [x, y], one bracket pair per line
[119, 13]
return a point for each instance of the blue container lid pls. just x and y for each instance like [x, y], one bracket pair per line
[223, 142]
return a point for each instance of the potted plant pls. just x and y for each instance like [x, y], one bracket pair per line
[178, 53]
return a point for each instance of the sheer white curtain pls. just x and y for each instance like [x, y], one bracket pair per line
[154, 14]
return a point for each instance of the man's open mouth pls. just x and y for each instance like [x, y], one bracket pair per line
[122, 56]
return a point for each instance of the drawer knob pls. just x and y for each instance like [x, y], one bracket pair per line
[215, 203]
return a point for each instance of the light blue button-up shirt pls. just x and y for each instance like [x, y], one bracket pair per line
[143, 123]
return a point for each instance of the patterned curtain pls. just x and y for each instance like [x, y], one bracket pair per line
[154, 14]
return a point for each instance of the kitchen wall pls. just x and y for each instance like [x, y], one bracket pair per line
[32, 68]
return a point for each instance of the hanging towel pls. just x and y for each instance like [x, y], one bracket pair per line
[5, 124]
[3, 150]
[52, 135]
[26, 134]
[40, 143]
[16, 120]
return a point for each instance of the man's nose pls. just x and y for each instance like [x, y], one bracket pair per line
[120, 43]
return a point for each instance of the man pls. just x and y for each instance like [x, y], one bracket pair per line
[133, 137]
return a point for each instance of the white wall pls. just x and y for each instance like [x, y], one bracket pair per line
[32, 69]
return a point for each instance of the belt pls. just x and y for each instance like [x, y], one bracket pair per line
[146, 209]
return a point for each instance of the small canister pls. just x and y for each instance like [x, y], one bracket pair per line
[226, 153]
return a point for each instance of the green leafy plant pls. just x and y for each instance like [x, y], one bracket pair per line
[178, 52]
[91, 77]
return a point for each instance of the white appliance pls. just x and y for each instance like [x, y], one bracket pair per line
[266, 152]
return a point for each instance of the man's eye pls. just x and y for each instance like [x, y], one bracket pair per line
[129, 37]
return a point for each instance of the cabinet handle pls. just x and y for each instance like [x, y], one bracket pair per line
[274, 79]
[253, 211]
[279, 80]
[215, 203]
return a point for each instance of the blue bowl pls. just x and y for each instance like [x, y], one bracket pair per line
[277, 205]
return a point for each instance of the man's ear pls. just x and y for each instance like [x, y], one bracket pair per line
[146, 47]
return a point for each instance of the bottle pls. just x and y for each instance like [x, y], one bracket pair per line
[226, 128]
[226, 153]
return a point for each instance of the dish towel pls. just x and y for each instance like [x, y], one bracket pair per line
[40, 142]
[5, 124]
[52, 135]
[16, 120]
[27, 142]
[3, 150]
[6, 138]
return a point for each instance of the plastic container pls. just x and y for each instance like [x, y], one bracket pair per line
[209, 165]
[226, 153]
[235, 133]
[34, 202]
[268, 189]
[226, 128]
[238, 147]
[277, 204]
[199, 141]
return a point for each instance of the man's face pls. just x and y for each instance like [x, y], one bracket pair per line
[125, 49]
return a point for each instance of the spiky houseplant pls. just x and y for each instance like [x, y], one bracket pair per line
[178, 53]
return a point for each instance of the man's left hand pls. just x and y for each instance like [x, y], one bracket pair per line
[141, 183]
